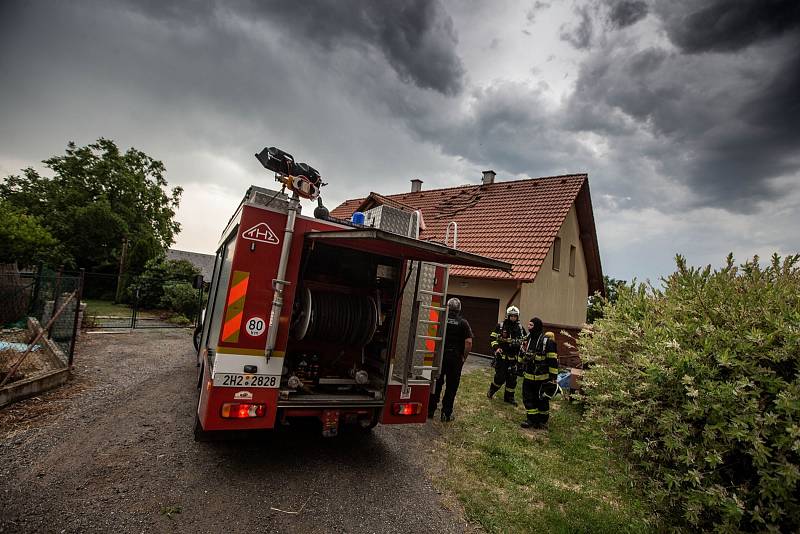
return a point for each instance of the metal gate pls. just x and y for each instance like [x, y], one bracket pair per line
[110, 307]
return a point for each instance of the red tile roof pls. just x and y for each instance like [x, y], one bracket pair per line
[513, 221]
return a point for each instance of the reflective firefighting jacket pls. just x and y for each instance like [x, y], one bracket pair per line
[540, 359]
[508, 336]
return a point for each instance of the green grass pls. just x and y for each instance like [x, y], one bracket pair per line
[106, 308]
[509, 479]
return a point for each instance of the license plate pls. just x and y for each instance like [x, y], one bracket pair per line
[247, 381]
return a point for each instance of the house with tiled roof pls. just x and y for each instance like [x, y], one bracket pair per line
[543, 226]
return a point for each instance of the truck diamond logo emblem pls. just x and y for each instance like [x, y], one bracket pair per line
[261, 232]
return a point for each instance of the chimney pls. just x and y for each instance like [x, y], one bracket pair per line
[488, 177]
[416, 185]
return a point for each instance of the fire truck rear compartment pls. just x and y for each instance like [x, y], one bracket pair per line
[341, 329]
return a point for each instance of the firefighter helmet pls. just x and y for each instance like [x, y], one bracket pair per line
[549, 391]
[550, 335]
[512, 310]
[454, 305]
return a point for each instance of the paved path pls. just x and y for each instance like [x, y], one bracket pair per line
[113, 452]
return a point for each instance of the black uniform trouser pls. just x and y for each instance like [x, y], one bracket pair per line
[451, 373]
[503, 374]
[537, 410]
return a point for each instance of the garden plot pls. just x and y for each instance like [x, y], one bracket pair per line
[44, 367]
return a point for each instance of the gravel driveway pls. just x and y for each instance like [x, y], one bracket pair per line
[112, 451]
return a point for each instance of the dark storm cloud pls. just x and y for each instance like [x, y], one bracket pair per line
[579, 36]
[721, 123]
[537, 6]
[213, 80]
[416, 37]
[725, 26]
[766, 145]
[624, 13]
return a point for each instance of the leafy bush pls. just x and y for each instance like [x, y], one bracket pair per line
[179, 320]
[157, 275]
[698, 384]
[181, 298]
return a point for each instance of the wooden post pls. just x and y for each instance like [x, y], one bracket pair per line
[75, 322]
[56, 294]
[37, 285]
[118, 294]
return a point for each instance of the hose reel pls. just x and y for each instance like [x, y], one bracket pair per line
[336, 317]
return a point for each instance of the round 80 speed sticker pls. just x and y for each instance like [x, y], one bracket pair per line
[255, 326]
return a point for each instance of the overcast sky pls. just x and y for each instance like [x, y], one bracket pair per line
[685, 114]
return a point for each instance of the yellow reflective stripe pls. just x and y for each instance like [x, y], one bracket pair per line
[552, 355]
[497, 385]
[494, 334]
[493, 344]
[539, 358]
[553, 370]
[530, 376]
[532, 412]
[511, 389]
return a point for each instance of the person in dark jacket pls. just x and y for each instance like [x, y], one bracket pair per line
[540, 366]
[506, 341]
[457, 346]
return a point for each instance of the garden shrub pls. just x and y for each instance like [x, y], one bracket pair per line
[697, 383]
[158, 274]
[181, 298]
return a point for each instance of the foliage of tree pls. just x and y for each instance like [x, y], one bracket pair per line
[159, 274]
[23, 240]
[699, 384]
[97, 196]
[594, 309]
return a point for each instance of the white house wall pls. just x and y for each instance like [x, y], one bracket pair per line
[501, 290]
[555, 296]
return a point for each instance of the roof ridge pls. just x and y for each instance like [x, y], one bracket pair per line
[482, 186]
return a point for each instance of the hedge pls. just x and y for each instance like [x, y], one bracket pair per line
[697, 383]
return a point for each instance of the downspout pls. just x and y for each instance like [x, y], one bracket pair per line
[278, 283]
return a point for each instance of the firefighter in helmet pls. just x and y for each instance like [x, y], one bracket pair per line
[540, 369]
[506, 341]
[457, 346]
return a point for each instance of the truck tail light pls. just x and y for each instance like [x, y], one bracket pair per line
[235, 410]
[406, 408]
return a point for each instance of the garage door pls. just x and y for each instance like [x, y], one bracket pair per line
[481, 314]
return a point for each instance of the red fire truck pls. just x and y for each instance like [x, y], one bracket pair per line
[319, 317]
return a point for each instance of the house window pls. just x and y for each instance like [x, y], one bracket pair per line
[572, 260]
[557, 254]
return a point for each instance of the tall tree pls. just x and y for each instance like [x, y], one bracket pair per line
[96, 197]
[23, 240]
[594, 309]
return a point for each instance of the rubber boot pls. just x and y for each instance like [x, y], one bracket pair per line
[508, 397]
[492, 390]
